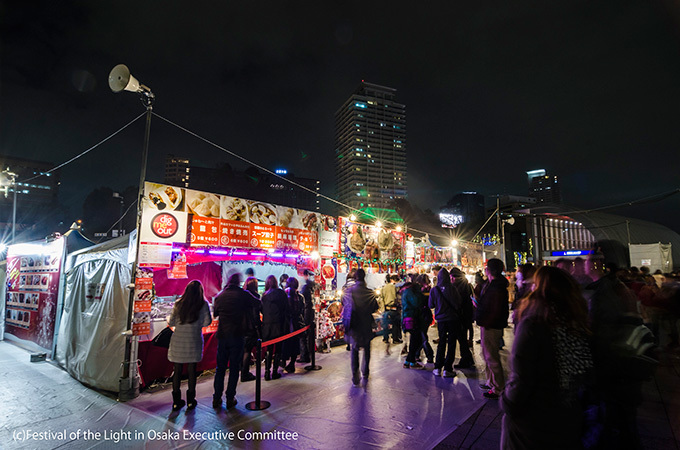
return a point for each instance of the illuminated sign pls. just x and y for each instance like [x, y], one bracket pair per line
[450, 220]
[571, 253]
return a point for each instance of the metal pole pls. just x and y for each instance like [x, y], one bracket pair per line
[258, 404]
[14, 210]
[129, 387]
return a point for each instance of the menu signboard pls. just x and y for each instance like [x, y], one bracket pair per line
[176, 215]
[33, 272]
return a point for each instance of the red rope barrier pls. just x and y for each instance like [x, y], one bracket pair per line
[283, 338]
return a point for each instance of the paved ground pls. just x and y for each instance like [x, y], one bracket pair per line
[45, 408]
[658, 415]
[399, 408]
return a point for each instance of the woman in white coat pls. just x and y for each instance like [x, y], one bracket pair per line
[189, 315]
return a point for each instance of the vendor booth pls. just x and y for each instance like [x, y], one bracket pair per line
[33, 289]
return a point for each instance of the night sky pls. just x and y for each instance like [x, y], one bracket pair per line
[590, 91]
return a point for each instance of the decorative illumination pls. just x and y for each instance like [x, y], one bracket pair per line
[352, 217]
[454, 243]
[315, 255]
[399, 228]
[378, 223]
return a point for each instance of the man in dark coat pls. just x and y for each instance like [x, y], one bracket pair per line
[492, 317]
[461, 285]
[232, 307]
[307, 291]
[445, 301]
[360, 304]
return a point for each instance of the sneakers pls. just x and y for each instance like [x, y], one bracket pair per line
[437, 372]
[231, 402]
[449, 373]
[417, 365]
[429, 365]
[407, 365]
[247, 377]
[485, 387]
[397, 341]
[491, 395]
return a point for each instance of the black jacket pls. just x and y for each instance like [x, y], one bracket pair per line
[359, 305]
[464, 290]
[233, 307]
[492, 306]
[274, 308]
[307, 290]
[445, 300]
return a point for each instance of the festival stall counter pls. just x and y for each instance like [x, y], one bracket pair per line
[189, 235]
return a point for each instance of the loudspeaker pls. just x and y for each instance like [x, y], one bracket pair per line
[120, 79]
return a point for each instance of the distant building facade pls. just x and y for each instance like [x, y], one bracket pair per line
[465, 207]
[370, 148]
[251, 183]
[545, 188]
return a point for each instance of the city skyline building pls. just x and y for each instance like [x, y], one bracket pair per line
[544, 187]
[370, 148]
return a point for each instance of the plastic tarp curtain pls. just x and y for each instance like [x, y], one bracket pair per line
[656, 256]
[208, 273]
[90, 345]
[262, 271]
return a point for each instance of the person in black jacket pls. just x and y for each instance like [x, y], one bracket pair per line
[460, 283]
[492, 318]
[446, 303]
[274, 309]
[307, 291]
[294, 321]
[360, 304]
[232, 307]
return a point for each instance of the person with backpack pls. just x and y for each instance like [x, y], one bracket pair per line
[446, 302]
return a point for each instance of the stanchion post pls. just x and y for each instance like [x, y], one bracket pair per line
[311, 342]
[258, 404]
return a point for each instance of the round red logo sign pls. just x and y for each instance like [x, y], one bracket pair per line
[164, 225]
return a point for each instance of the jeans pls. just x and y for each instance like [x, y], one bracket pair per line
[356, 345]
[393, 318]
[427, 348]
[229, 353]
[491, 342]
[446, 348]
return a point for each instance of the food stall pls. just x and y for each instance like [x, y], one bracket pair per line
[188, 234]
[467, 256]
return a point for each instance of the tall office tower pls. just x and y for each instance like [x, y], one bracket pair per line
[543, 187]
[176, 171]
[370, 148]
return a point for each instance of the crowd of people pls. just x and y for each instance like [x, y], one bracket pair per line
[567, 357]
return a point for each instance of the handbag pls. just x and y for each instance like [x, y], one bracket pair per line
[409, 324]
[163, 338]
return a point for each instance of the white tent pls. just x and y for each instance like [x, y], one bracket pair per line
[90, 344]
[655, 256]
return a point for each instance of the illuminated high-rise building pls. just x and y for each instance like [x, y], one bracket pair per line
[544, 187]
[370, 148]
